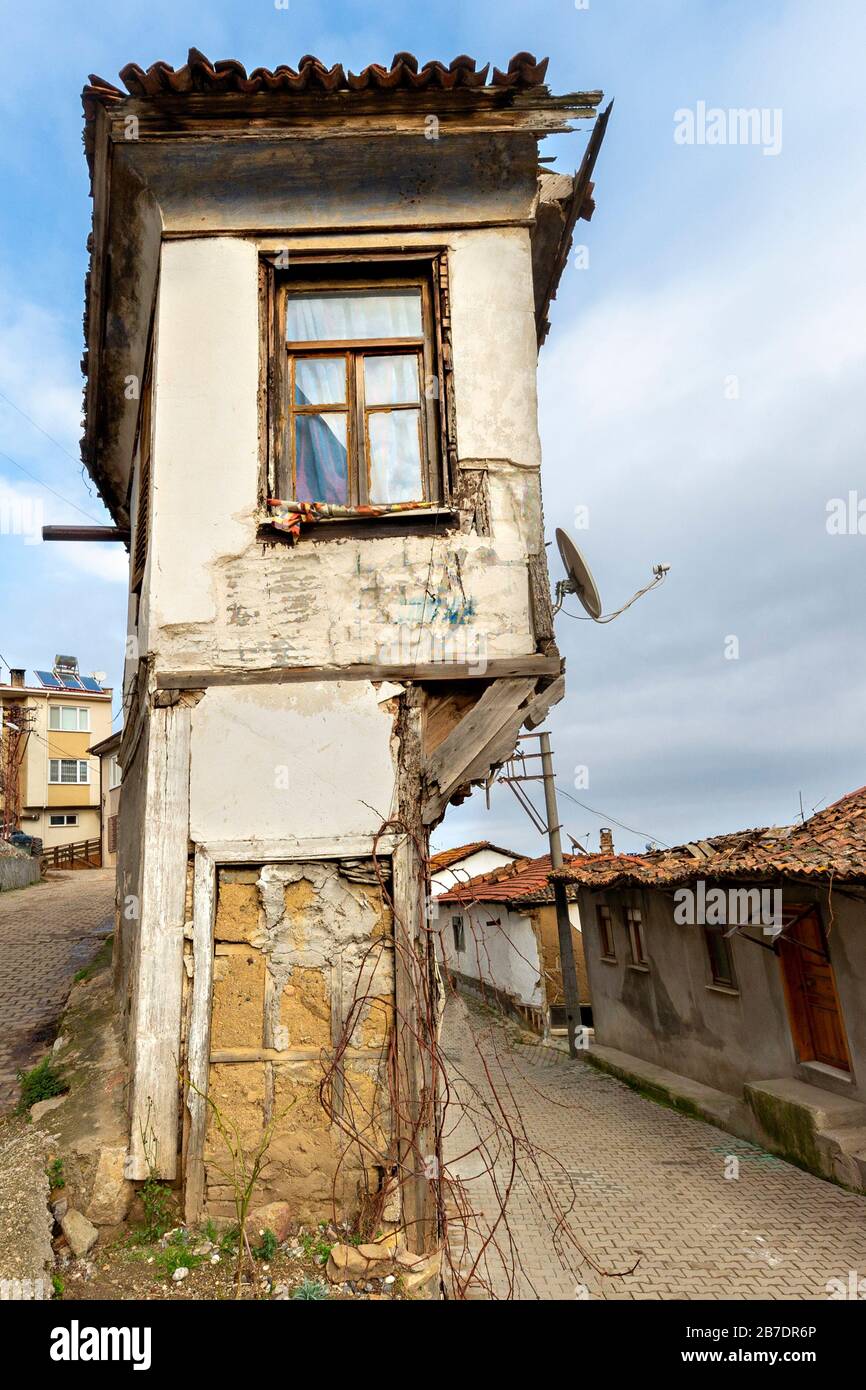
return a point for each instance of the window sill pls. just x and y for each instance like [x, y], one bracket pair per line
[608, 960]
[723, 989]
[388, 523]
[641, 969]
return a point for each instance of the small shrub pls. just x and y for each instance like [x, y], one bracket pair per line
[267, 1246]
[57, 1285]
[42, 1082]
[312, 1289]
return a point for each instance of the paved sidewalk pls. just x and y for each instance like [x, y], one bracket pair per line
[47, 933]
[646, 1186]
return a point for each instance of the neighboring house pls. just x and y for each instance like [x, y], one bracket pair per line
[458, 865]
[45, 759]
[738, 966]
[312, 339]
[109, 792]
[497, 935]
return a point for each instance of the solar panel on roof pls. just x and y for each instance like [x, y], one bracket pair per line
[90, 684]
[48, 680]
[70, 682]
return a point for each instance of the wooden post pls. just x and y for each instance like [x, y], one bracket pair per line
[158, 985]
[198, 1043]
[417, 1133]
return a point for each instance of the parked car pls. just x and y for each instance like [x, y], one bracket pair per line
[21, 840]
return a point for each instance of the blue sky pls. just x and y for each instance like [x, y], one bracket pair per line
[706, 264]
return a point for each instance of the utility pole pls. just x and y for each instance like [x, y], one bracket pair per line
[563, 922]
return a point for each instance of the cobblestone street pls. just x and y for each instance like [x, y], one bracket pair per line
[645, 1184]
[47, 933]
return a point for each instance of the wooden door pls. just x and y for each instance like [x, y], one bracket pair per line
[810, 989]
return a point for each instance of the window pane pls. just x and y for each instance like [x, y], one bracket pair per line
[721, 964]
[395, 456]
[68, 770]
[320, 381]
[54, 717]
[391, 380]
[82, 772]
[336, 315]
[68, 719]
[53, 769]
[84, 719]
[321, 458]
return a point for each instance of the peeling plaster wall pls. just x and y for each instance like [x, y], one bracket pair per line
[304, 960]
[291, 761]
[218, 595]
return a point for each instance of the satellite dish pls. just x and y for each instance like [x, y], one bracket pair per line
[580, 580]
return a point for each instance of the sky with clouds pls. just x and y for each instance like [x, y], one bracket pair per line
[702, 389]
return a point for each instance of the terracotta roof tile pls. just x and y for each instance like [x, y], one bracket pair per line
[446, 857]
[830, 844]
[200, 75]
[526, 880]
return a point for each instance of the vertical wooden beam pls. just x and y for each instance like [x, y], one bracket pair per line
[198, 1044]
[158, 986]
[416, 1080]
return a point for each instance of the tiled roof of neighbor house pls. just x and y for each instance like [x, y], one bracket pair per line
[829, 845]
[526, 880]
[200, 76]
[447, 857]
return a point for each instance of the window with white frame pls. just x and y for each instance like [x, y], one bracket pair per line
[68, 770]
[113, 772]
[68, 719]
[62, 820]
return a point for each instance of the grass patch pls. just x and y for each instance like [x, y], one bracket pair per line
[42, 1082]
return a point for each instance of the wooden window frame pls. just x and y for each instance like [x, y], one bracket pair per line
[719, 933]
[458, 928]
[604, 923]
[636, 938]
[423, 269]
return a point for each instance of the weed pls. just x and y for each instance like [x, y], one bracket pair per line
[42, 1082]
[57, 1285]
[317, 1248]
[267, 1246]
[158, 1206]
[54, 1174]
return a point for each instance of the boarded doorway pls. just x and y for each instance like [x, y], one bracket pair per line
[810, 990]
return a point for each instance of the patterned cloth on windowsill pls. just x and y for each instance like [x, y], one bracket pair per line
[291, 516]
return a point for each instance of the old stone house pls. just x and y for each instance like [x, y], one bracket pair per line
[496, 935]
[314, 308]
[729, 975]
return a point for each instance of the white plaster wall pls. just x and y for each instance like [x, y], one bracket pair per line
[482, 862]
[290, 761]
[500, 949]
[205, 449]
[495, 347]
